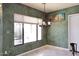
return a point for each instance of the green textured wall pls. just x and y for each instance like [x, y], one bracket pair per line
[56, 35]
[58, 32]
[8, 28]
[1, 30]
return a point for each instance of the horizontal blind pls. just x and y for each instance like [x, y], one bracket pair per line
[28, 19]
[18, 18]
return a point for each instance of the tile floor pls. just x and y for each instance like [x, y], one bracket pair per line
[48, 50]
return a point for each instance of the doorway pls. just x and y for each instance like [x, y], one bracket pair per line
[73, 30]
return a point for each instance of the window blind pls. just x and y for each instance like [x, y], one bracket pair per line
[28, 19]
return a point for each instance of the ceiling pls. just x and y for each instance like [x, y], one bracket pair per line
[50, 7]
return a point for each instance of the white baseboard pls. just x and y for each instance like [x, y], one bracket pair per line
[58, 47]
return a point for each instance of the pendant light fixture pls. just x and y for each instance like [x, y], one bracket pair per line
[45, 22]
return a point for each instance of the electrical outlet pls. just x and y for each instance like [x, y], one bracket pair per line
[6, 52]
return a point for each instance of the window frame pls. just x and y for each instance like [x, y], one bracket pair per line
[36, 31]
[23, 32]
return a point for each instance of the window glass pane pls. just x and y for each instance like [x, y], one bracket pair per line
[39, 32]
[17, 33]
[33, 32]
[29, 32]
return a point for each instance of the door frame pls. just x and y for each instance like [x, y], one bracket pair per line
[68, 32]
[69, 29]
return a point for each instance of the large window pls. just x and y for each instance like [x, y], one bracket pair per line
[29, 33]
[39, 32]
[17, 33]
[26, 29]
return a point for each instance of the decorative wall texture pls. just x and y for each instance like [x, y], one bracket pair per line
[1, 30]
[58, 32]
[8, 28]
[56, 35]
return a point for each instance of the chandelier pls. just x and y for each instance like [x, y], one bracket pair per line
[45, 22]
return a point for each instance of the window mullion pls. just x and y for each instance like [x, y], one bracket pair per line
[22, 33]
[37, 32]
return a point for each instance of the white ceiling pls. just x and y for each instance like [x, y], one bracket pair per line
[50, 6]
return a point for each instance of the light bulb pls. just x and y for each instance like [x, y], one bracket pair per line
[44, 23]
[49, 23]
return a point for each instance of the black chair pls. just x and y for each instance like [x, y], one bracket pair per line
[74, 48]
